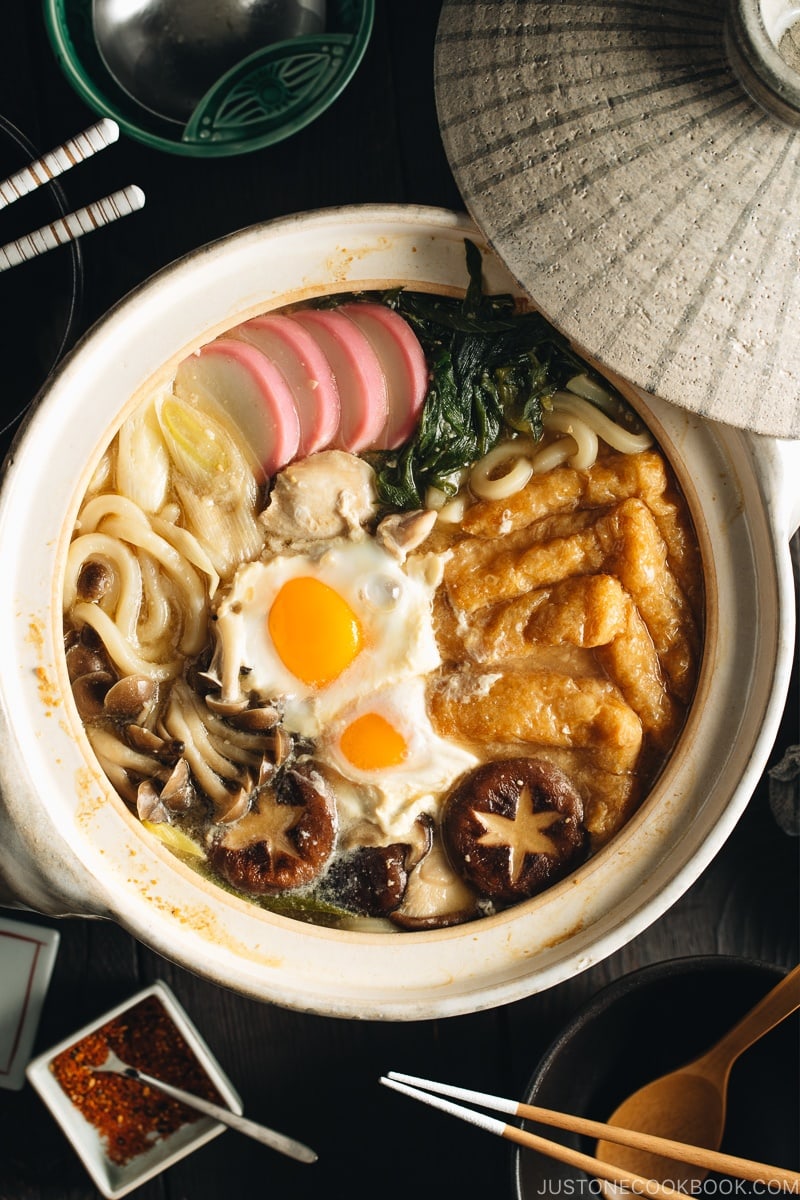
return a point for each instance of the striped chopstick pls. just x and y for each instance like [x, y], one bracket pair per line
[434, 1095]
[74, 225]
[55, 162]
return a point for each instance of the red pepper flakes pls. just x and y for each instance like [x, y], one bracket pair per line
[130, 1115]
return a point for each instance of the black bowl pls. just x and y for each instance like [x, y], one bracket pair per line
[39, 299]
[653, 1021]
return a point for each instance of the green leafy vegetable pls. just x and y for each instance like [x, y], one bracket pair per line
[493, 369]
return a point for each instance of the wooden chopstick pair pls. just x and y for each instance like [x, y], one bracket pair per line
[433, 1094]
[74, 224]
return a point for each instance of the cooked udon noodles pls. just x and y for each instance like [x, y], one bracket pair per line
[355, 713]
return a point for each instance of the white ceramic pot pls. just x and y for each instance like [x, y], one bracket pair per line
[68, 845]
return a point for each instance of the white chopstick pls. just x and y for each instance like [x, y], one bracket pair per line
[574, 1158]
[666, 1147]
[76, 150]
[74, 225]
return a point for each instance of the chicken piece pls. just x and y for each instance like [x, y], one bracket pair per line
[327, 495]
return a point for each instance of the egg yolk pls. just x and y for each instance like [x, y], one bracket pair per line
[371, 742]
[314, 631]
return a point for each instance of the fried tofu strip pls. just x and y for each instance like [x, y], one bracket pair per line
[482, 573]
[622, 477]
[473, 555]
[641, 566]
[541, 708]
[450, 630]
[592, 611]
[608, 799]
[624, 542]
[587, 610]
[631, 661]
[564, 490]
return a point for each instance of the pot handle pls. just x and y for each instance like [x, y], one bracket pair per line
[37, 874]
[779, 460]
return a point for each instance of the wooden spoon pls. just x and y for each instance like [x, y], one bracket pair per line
[688, 1105]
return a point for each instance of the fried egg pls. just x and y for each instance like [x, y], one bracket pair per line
[317, 632]
[385, 744]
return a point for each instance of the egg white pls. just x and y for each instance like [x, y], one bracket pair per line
[392, 602]
[395, 795]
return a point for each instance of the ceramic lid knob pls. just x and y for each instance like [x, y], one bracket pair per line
[762, 39]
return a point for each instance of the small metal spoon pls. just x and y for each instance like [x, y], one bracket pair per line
[269, 1137]
[166, 54]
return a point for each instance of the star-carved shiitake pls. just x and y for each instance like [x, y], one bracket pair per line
[514, 827]
[285, 840]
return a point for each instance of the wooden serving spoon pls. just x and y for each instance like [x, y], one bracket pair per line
[689, 1105]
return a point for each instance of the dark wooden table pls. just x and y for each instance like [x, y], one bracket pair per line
[316, 1076]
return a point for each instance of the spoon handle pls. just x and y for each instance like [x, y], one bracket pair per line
[268, 1137]
[778, 1004]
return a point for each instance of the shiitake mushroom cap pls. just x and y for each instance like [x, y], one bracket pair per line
[514, 827]
[286, 839]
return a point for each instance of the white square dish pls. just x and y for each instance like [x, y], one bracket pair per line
[27, 956]
[116, 1178]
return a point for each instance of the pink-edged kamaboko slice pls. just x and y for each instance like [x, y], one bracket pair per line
[253, 392]
[403, 362]
[358, 373]
[299, 358]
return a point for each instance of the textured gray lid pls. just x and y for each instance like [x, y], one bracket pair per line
[649, 207]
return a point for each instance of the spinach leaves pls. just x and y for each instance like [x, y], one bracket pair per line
[492, 368]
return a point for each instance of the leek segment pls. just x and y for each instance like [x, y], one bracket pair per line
[215, 483]
[175, 840]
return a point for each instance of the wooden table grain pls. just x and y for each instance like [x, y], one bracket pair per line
[316, 1077]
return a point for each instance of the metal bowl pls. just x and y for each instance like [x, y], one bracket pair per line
[266, 98]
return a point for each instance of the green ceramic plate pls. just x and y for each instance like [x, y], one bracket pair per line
[265, 98]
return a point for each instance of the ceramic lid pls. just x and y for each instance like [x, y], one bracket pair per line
[614, 160]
